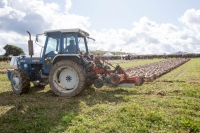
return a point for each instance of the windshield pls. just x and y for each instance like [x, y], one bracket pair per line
[53, 44]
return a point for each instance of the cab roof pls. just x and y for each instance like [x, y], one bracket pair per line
[68, 31]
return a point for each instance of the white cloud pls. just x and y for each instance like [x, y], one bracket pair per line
[11, 38]
[5, 2]
[18, 16]
[192, 19]
[11, 13]
[38, 16]
[146, 36]
[2, 50]
[68, 5]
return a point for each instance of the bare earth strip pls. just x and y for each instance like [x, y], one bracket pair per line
[155, 70]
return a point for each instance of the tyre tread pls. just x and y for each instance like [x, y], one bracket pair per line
[24, 80]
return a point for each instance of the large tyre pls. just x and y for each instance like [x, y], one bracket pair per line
[20, 81]
[67, 78]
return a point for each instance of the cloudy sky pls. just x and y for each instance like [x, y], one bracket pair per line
[135, 26]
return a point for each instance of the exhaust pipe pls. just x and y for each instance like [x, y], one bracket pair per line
[30, 45]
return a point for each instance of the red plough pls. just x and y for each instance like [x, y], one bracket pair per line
[116, 77]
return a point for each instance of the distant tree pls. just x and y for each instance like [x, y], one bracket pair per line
[12, 50]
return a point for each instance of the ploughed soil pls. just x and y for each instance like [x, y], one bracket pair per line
[155, 70]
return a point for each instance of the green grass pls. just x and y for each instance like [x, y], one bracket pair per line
[169, 104]
[4, 66]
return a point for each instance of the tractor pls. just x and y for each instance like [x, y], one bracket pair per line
[66, 65]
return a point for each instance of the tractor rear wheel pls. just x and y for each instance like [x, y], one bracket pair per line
[67, 78]
[20, 81]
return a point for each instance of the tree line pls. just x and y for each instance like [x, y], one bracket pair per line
[11, 50]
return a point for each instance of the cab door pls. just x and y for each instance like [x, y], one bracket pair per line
[51, 49]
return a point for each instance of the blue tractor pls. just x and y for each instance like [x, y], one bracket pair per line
[65, 64]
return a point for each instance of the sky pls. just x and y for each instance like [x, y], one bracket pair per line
[131, 26]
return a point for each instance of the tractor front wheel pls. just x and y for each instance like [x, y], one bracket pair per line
[67, 78]
[20, 81]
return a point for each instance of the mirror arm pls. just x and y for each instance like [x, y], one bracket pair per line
[90, 38]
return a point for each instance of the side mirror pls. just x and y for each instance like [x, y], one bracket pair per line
[91, 38]
[36, 38]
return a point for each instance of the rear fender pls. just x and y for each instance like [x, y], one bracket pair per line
[72, 57]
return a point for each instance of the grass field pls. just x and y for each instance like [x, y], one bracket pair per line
[169, 104]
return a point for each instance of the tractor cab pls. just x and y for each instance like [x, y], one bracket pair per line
[66, 43]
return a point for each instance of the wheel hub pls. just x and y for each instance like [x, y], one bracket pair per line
[15, 83]
[66, 79]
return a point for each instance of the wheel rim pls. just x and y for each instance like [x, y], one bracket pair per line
[66, 79]
[15, 82]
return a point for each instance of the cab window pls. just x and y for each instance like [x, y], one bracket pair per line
[53, 44]
[69, 43]
[81, 44]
